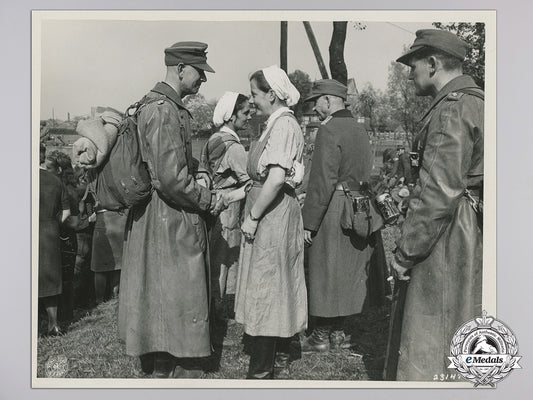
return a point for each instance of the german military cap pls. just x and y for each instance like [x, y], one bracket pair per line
[190, 53]
[327, 86]
[437, 39]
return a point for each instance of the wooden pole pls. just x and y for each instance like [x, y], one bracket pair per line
[283, 46]
[316, 50]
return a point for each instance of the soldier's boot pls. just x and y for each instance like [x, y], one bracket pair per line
[164, 364]
[339, 340]
[188, 368]
[317, 341]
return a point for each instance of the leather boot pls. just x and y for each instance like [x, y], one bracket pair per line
[317, 341]
[147, 363]
[188, 368]
[263, 351]
[339, 340]
[164, 364]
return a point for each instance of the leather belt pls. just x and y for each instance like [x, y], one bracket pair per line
[341, 188]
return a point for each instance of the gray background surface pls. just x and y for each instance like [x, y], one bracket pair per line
[514, 179]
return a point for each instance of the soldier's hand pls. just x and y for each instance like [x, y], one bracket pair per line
[301, 199]
[308, 237]
[219, 204]
[400, 272]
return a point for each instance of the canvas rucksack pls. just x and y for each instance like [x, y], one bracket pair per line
[124, 180]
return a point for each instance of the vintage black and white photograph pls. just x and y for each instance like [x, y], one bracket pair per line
[260, 198]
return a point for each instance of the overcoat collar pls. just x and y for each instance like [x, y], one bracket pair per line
[456, 84]
[342, 114]
[167, 91]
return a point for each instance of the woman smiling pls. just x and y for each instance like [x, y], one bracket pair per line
[271, 298]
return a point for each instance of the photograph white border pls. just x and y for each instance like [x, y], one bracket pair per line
[489, 239]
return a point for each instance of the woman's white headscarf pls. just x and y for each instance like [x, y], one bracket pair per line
[224, 108]
[282, 86]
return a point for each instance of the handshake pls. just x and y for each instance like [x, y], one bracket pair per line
[222, 202]
[225, 198]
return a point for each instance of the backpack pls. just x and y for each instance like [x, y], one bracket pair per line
[123, 180]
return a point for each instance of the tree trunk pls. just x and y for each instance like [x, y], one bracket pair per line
[283, 46]
[316, 50]
[337, 65]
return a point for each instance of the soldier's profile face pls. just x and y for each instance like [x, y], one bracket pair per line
[321, 108]
[419, 74]
[192, 79]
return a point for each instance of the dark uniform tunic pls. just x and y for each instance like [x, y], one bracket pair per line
[338, 261]
[440, 237]
[164, 283]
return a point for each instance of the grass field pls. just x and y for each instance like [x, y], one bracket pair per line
[93, 350]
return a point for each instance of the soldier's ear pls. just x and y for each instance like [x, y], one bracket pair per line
[432, 64]
[179, 68]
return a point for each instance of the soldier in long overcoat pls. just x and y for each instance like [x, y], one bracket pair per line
[441, 240]
[163, 313]
[339, 260]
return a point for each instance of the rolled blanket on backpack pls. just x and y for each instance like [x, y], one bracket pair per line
[98, 137]
[84, 153]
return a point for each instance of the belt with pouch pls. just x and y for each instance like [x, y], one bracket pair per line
[341, 187]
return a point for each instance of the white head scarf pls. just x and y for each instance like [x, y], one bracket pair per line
[224, 108]
[282, 86]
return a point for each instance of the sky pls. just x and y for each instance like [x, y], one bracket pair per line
[114, 63]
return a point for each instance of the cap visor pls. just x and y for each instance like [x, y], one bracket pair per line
[312, 97]
[407, 56]
[205, 67]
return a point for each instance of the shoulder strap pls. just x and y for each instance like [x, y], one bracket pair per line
[263, 143]
[477, 92]
[255, 153]
[218, 149]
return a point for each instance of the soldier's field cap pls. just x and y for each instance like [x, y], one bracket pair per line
[190, 53]
[438, 39]
[327, 86]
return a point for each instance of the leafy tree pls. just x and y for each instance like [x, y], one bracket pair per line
[303, 83]
[474, 35]
[201, 111]
[371, 103]
[406, 107]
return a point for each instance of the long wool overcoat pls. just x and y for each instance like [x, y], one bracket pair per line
[338, 261]
[441, 237]
[164, 284]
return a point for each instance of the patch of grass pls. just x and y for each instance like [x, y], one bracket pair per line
[93, 349]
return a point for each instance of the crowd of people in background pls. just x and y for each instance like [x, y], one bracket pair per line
[245, 227]
[80, 248]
